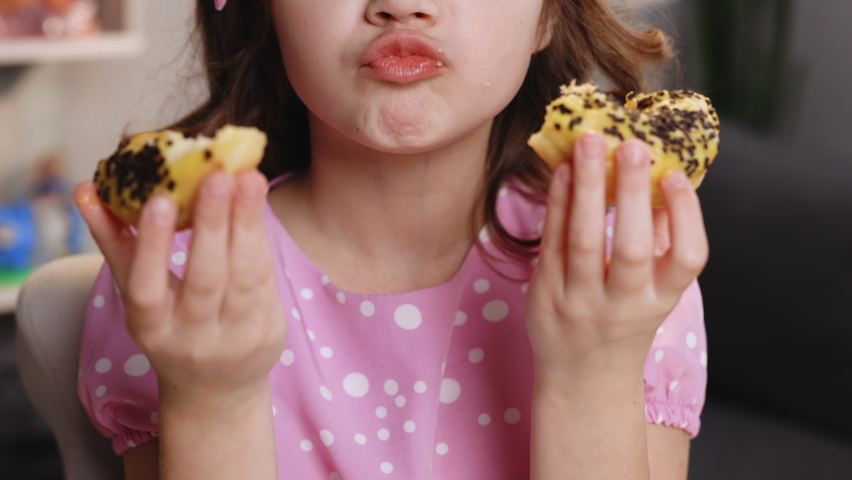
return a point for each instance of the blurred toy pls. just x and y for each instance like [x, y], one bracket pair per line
[48, 18]
[17, 236]
[43, 226]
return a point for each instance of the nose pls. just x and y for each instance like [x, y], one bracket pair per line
[385, 12]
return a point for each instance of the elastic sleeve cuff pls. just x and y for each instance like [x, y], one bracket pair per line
[130, 439]
[675, 416]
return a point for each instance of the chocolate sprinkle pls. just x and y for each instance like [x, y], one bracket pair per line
[135, 174]
[614, 132]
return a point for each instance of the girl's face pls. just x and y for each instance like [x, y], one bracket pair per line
[406, 76]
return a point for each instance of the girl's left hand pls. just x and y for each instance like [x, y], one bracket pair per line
[583, 311]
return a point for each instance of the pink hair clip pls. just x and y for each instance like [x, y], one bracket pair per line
[220, 4]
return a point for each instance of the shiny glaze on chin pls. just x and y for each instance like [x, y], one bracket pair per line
[403, 57]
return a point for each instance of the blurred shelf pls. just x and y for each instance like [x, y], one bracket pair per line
[8, 298]
[104, 46]
[122, 36]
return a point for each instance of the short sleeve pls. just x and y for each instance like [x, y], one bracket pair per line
[676, 367]
[116, 383]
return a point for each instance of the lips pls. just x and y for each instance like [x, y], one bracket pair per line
[403, 57]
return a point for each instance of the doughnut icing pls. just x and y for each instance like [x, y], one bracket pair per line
[680, 127]
[166, 162]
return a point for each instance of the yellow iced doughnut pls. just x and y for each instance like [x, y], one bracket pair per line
[680, 127]
[166, 162]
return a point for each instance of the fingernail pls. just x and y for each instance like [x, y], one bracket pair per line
[633, 153]
[592, 146]
[161, 210]
[678, 179]
[87, 199]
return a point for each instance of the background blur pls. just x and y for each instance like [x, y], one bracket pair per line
[77, 74]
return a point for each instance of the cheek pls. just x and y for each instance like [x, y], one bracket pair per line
[305, 35]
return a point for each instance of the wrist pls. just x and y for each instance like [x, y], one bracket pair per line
[233, 405]
[617, 368]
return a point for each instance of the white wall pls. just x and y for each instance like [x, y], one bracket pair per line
[83, 109]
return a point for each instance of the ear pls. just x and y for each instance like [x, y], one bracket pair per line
[547, 24]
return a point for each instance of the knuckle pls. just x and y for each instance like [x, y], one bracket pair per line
[203, 287]
[693, 259]
[584, 244]
[141, 300]
[632, 254]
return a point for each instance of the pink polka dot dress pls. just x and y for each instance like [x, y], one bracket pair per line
[430, 384]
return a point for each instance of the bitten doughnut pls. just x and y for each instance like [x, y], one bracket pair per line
[681, 128]
[166, 162]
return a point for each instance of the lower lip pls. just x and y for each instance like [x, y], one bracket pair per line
[405, 69]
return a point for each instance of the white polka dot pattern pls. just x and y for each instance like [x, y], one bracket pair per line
[356, 384]
[408, 317]
[326, 437]
[495, 310]
[391, 387]
[179, 258]
[450, 390]
[512, 415]
[103, 365]
[137, 365]
[442, 448]
[368, 309]
[403, 383]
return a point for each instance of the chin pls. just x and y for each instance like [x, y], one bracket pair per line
[408, 143]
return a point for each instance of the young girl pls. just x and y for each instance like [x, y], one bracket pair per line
[385, 309]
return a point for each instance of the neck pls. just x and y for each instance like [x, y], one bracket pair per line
[408, 219]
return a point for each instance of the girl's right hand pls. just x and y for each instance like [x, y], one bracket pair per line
[216, 334]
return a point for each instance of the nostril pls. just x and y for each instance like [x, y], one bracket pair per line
[419, 14]
[385, 15]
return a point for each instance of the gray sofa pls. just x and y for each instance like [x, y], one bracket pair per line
[778, 303]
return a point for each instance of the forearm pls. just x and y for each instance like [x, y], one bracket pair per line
[211, 440]
[589, 426]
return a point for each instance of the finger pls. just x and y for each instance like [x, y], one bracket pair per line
[631, 265]
[553, 230]
[662, 237]
[689, 247]
[113, 237]
[587, 224]
[146, 296]
[207, 266]
[248, 249]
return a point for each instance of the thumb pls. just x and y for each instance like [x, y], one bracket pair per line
[114, 237]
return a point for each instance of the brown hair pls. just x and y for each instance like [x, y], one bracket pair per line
[248, 86]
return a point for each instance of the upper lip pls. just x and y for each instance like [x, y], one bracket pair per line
[401, 44]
